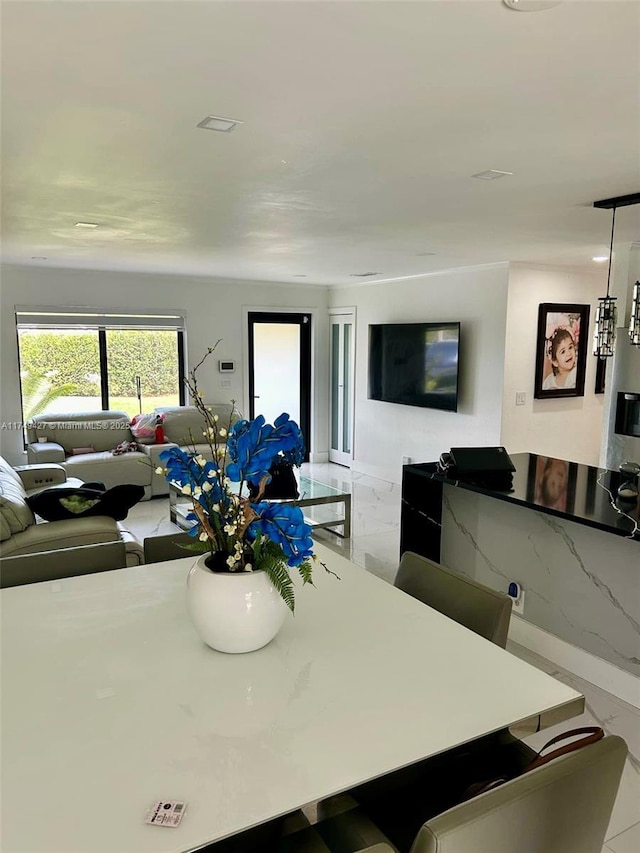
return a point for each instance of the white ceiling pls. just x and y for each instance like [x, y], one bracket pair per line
[363, 122]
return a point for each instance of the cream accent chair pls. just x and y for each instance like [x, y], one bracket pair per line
[561, 807]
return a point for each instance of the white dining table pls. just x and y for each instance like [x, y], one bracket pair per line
[111, 702]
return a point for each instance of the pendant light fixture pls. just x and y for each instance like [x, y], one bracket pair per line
[634, 322]
[604, 338]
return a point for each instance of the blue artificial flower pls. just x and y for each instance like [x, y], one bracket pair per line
[292, 447]
[253, 446]
[191, 469]
[249, 450]
[284, 524]
[194, 530]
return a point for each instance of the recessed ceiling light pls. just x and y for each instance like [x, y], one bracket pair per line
[600, 259]
[362, 274]
[491, 174]
[86, 225]
[222, 125]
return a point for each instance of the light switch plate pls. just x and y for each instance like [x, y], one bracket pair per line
[225, 383]
[521, 398]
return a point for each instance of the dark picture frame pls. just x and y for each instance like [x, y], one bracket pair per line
[561, 350]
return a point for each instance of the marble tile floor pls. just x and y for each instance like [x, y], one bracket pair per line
[375, 545]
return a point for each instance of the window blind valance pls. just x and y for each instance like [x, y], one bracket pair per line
[95, 318]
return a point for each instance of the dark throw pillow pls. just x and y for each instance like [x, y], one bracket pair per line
[60, 504]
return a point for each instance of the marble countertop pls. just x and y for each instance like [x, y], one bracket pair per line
[110, 702]
[570, 490]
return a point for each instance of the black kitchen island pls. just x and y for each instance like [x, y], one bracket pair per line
[561, 532]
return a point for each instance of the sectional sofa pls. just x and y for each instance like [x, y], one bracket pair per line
[83, 443]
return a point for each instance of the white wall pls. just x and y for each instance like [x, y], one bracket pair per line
[214, 310]
[487, 300]
[385, 432]
[570, 427]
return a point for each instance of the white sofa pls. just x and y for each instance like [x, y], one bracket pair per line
[104, 430]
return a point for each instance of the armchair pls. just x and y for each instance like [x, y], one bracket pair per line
[44, 476]
[22, 534]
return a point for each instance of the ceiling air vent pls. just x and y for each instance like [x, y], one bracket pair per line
[222, 125]
[362, 274]
[491, 174]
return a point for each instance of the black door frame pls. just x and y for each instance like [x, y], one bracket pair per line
[303, 320]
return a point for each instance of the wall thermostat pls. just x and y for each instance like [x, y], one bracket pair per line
[226, 366]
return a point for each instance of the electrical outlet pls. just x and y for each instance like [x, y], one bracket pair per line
[521, 398]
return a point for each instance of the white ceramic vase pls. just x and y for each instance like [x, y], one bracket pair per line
[234, 612]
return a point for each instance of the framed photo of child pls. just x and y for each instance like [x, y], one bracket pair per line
[561, 352]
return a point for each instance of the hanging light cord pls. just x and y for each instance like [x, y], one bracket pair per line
[613, 226]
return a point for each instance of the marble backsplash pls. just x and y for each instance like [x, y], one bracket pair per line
[581, 584]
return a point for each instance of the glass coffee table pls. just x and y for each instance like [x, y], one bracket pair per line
[323, 506]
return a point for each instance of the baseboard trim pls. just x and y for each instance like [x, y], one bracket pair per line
[600, 672]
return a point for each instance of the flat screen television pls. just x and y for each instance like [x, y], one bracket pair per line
[415, 364]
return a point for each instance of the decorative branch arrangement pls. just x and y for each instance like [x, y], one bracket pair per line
[242, 533]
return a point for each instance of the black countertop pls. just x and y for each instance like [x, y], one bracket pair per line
[569, 490]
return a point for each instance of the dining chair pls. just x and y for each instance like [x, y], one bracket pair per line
[157, 549]
[561, 806]
[472, 604]
[61, 563]
[487, 613]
